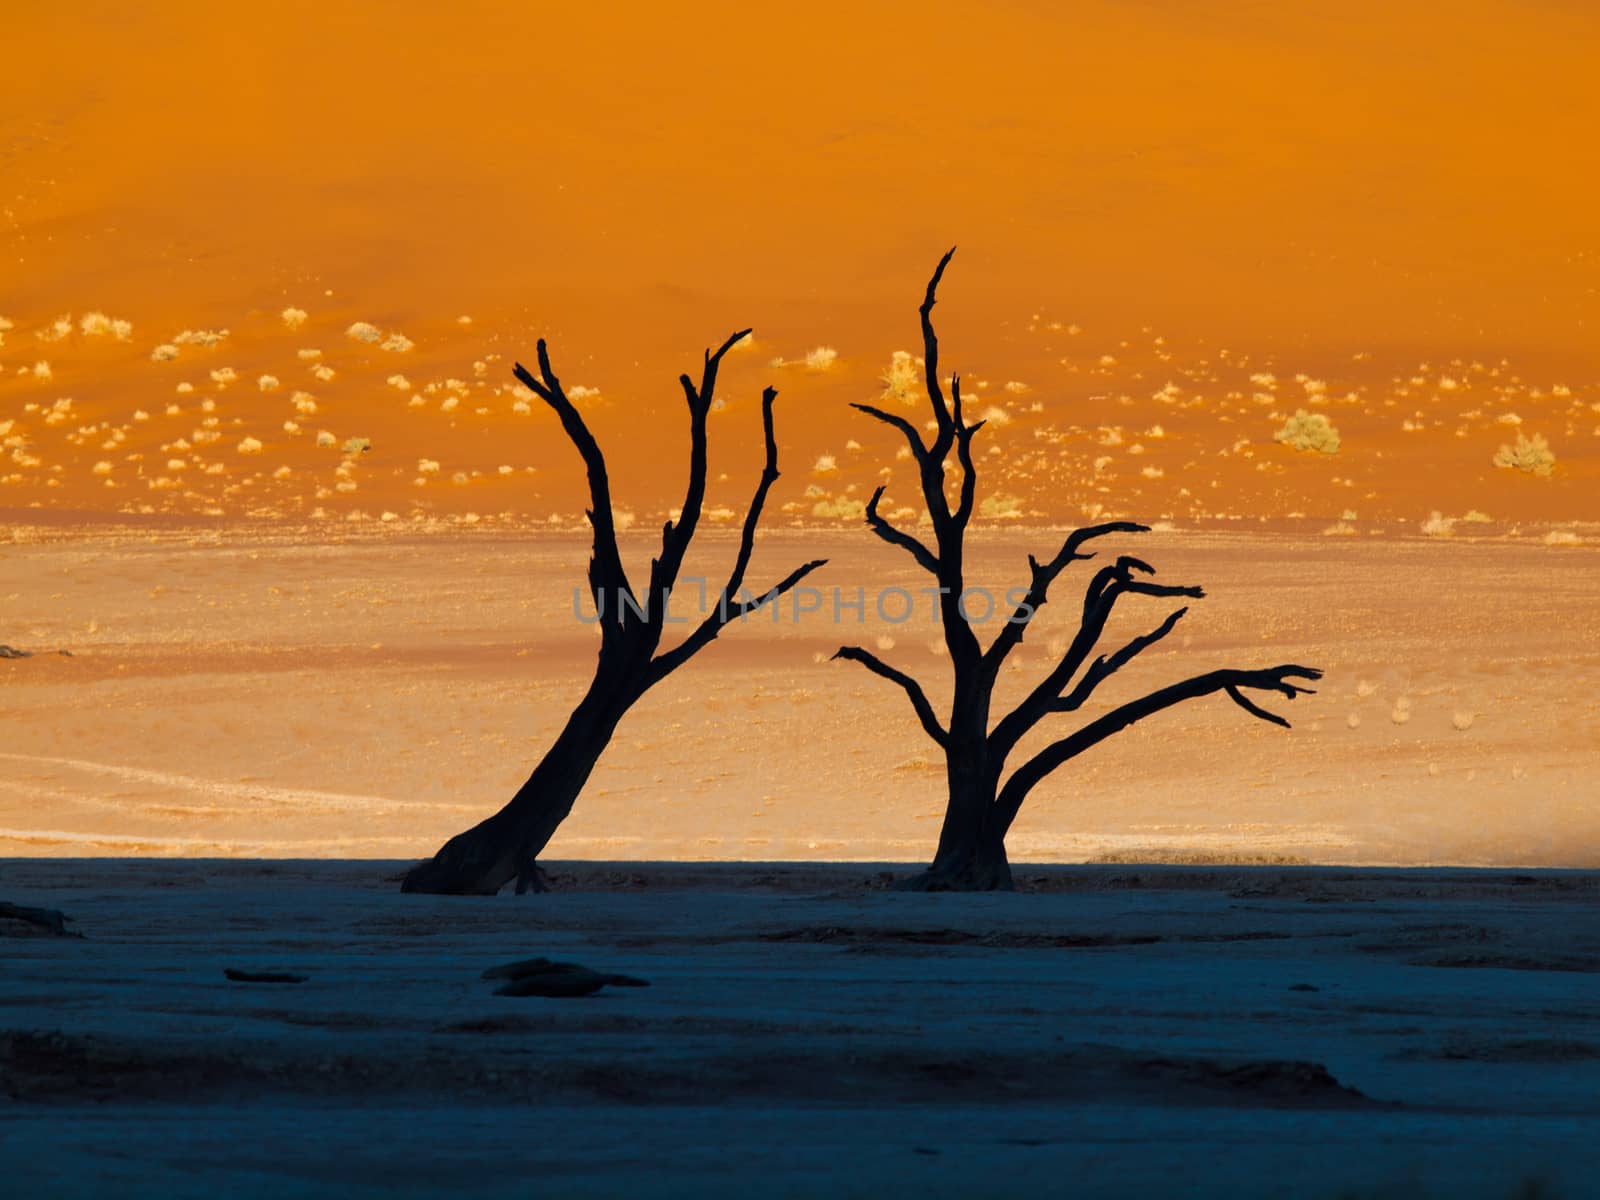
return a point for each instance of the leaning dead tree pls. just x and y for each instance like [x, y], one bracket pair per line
[983, 800]
[506, 846]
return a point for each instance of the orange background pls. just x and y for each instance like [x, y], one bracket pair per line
[1295, 183]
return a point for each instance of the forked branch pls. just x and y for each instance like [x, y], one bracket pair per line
[676, 535]
[897, 537]
[1099, 599]
[1273, 679]
[919, 452]
[1107, 665]
[1042, 576]
[728, 607]
[913, 689]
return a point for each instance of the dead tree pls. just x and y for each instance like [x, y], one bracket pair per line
[983, 802]
[506, 846]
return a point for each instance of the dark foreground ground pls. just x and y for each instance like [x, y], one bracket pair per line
[1114, 1031]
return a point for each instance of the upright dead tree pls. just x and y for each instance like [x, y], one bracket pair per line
[983, 802]
[505, 846]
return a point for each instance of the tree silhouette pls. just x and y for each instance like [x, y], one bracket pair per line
[506, 846]
[982, 801]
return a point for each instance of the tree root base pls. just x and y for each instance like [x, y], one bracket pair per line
[970, 876]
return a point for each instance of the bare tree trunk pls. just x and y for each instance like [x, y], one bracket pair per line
[972, 851]
[505, 847]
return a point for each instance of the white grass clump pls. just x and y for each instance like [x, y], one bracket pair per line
[844, 508]
[323, 372]
[324, 438]
[1562, 537]
[427, 466]
[900, 380]
[1530, 454]
[1439, 525]
[1462, 721]
[59, 328]
[97, 324]
[200, 337]
[364, 331]
[1309, 431]
[396, 343]
[304, 403]
[293, 317]
[268, 383]
[223, 376]
[825, 464]
[249, 445]
[1002, 508]
[399, 383]
[821, 358]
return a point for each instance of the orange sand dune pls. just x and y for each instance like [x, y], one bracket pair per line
[1155, 204]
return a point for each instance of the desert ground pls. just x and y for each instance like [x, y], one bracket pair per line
[1114, 1031]
[296, 694]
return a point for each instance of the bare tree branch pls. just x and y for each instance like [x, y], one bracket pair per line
[769, 476]
[1105, 666]
[727, 611]
[1043, 575]
[895, 537]
[1100, 598]
[969, 472]
[913, 689]
[918, 450]
[676, 536]
[1275, 679]
[930, 360]
[605, 567]
[728, 608]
